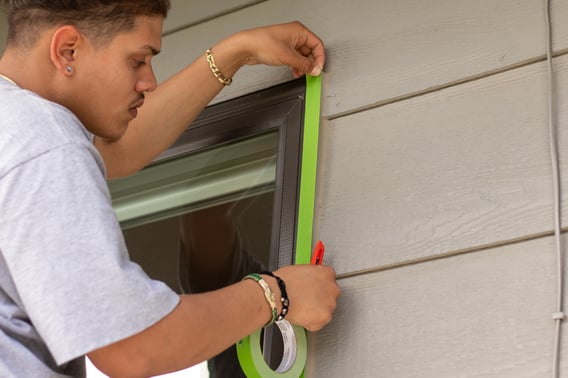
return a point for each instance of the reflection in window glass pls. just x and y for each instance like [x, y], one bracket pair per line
[205, 249]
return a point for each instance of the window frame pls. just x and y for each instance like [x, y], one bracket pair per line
[277, 109]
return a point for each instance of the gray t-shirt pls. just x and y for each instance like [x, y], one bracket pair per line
[67, 286]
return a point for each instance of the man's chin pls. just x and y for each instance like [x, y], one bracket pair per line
[108, 129]
[112, 138]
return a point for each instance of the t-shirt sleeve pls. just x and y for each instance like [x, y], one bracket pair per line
[66, 254]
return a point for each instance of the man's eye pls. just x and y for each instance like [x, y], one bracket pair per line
[139, 63]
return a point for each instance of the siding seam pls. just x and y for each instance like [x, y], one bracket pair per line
[451, 254]
[209, 18]
[455, 83]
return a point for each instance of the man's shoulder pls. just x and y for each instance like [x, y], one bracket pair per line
[26, 114]
[31, 126]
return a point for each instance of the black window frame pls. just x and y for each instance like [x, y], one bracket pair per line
[279, 108]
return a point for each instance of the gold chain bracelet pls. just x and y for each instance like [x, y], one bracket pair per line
[216, 71]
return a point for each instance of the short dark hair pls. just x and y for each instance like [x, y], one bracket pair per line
[99, 20]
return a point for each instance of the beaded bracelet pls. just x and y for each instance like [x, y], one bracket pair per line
[283, 295]
[268, 295]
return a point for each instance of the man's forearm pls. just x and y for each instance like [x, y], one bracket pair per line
[201, 326]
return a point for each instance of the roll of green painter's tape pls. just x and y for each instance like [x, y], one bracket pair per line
[293, 359]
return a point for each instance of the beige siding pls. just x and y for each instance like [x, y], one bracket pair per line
[384, 50]
[187, 13]
[448, 171]
[484, 314]
[3, 30]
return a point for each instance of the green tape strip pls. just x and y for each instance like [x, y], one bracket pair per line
[308, 171]
[248, 349]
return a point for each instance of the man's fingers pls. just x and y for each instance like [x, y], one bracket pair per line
[313, 47]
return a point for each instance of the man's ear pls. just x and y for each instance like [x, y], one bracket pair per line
[64, 44]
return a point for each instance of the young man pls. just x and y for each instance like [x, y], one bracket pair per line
[74, 77]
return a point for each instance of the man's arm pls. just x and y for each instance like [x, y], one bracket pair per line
[186, 94]
[202, 325]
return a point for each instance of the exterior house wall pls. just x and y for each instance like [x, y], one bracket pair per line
[434, 185]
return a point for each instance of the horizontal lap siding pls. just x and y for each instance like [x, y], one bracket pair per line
[3, 30]
[187, 13]
[484, 314]
[452, 170]
[382, 50]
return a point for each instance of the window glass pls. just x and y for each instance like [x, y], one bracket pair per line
[207, 248]
[225, 173]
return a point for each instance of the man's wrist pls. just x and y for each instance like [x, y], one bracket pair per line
[231, 54]
[275, 289]
[269, 295]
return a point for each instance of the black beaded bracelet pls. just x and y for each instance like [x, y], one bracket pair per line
[283, 295]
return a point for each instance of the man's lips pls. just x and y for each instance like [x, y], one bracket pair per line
[134, 108]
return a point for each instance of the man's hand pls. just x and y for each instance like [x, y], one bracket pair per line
[290, 44]
[313, 292]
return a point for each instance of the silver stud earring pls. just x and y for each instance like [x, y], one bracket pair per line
[69, 69]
